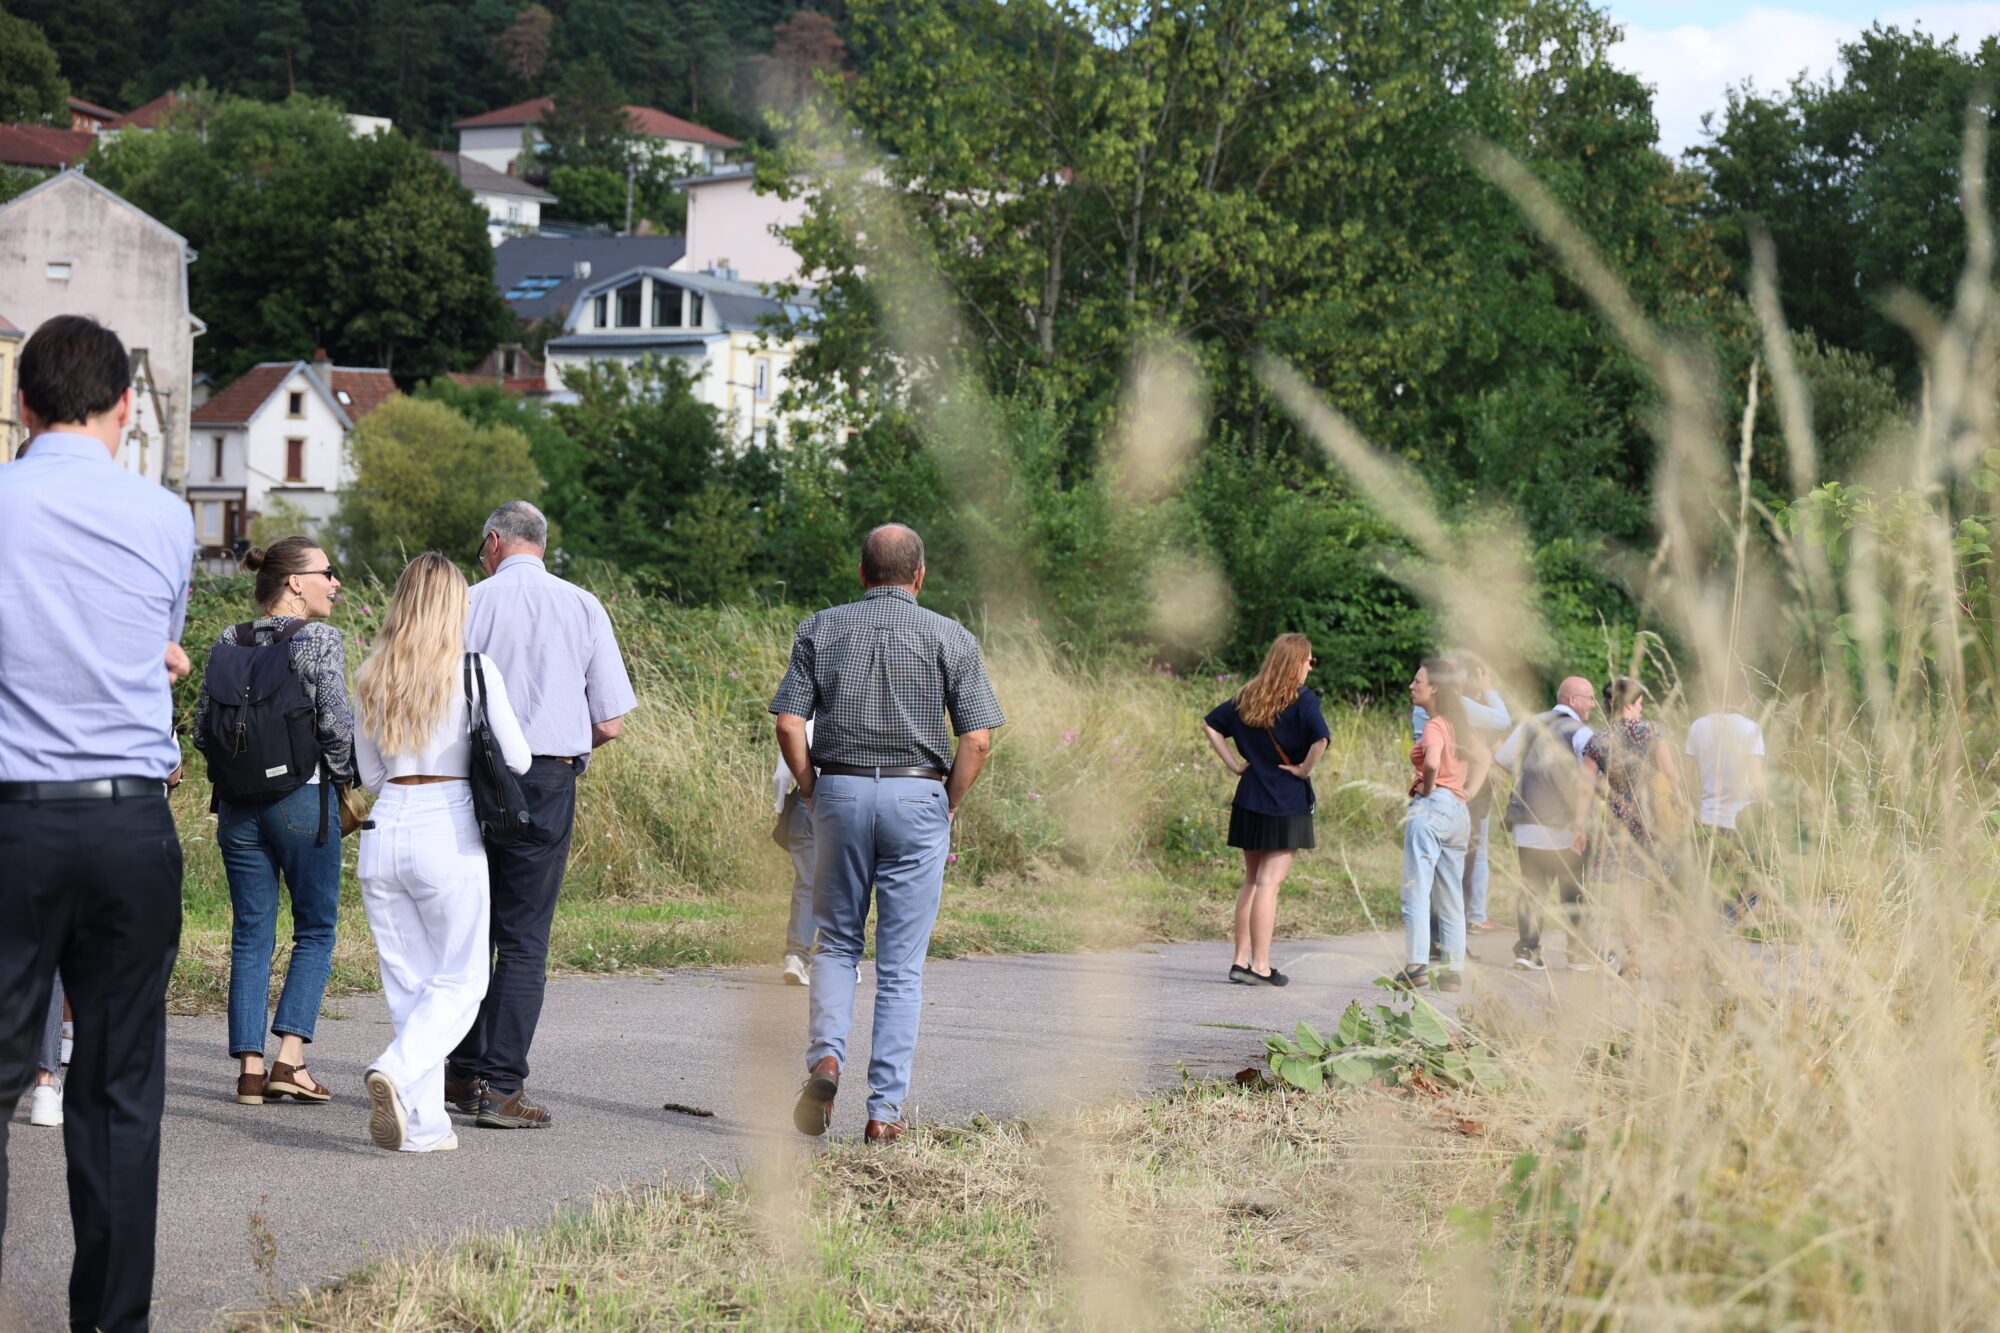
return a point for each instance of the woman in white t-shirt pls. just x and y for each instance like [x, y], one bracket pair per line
[423, 866]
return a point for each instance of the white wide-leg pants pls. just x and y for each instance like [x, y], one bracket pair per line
[423, 883]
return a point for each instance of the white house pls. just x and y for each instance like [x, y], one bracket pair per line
[713, 323]
[277, 433]
[732, 227]
[513, 207]
[498, 138]
[71, 247]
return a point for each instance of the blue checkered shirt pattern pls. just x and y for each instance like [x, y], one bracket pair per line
[878, 677]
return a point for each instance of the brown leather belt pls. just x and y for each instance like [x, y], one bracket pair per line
[857, 771]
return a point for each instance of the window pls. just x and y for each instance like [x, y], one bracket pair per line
[216, 440]
[666, 305]
[208, 522]
[535, 284]
[346, 398]
[295, 404]
[59, 272]
[508, 362]
[513, 212]
[628, 305]
[762, 378]
[295, 460]
[599, 307]
[694, 310]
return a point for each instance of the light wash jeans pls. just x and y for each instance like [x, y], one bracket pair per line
[1436, 830]
[887, 837]
[423, 883]
[799, 844]
[1478, 872]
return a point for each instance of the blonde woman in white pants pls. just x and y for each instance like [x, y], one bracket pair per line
[423, 866]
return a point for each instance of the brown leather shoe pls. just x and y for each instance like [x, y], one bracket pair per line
[463, 1093]
[884, 1132]
[250, 1089]
[814, 1110]
[284, 1081]
[516, 1112]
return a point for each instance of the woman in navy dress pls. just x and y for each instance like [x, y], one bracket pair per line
[1280, 735]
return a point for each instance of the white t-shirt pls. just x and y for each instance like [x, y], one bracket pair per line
[448, 752]
[781, 778]
[1722, 746]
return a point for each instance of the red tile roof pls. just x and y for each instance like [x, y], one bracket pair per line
[82, 110]
[366, 390]
[7, 328]
[644, 119]
[149, 115]
[235, 405]
[42, 145]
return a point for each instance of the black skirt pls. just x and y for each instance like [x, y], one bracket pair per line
[1253, 832]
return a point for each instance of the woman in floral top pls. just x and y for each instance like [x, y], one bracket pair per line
[1625, 849]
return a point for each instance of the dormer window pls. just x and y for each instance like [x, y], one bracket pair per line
[694, 310]
[666, 306]
[628, 305]
[600, 310]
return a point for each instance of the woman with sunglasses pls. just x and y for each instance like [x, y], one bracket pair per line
[1280, 733]
[295, 837]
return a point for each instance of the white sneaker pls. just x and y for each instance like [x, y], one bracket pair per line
[388, 1122]
[45, 1105]
[796, 971]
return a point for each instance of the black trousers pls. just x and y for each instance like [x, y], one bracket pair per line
[1542, 871]
[525, 881]
[94, 887]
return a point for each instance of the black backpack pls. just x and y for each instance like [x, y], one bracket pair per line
[258, 734]
[496, 794]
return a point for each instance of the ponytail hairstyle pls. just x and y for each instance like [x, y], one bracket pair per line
[274, 566]
[408, 681]
[1277, 683]
[1447, 678]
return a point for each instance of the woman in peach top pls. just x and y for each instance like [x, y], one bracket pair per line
[1451, 765]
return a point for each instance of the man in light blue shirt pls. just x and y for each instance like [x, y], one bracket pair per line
[94, 564]
[554, 646]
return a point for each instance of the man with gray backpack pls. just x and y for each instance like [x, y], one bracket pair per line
[1548, 814]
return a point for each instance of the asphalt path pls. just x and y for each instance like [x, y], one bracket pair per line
[1002, 1037]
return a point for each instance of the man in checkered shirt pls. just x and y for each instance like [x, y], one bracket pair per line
[879, 677]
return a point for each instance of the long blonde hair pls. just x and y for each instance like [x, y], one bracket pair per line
[1276, 685]
[407, 683]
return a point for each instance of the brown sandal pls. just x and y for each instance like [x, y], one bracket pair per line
[250, 1089]
[284, 1082]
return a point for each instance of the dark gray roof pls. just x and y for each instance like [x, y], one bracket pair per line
[478, 176]
[633, 341]
[520, 258]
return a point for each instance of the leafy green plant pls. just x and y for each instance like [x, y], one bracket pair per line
[1385, 1045]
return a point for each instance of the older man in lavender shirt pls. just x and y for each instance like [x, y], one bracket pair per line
[94, 564]
[553, 643]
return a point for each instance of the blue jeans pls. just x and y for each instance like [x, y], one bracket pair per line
[888, 837]
[1435, 833]
[260, 843]
[799, 844]
[1478, 872]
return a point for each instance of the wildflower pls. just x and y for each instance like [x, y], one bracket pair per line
[1069, 736]
[733, 675]
[367, 610]
[950, 858]
[1034, 796]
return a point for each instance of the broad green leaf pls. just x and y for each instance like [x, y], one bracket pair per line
[1352, 1071]
[1353, 1024]
[1309, 1039]
[1427, 1027]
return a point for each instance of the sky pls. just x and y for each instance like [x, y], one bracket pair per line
[1691, 51]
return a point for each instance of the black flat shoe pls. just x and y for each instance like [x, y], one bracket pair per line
[1242, 976]
[1272, 978]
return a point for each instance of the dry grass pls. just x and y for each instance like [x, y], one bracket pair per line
[1225, 1208]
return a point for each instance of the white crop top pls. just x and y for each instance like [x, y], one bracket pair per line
[448, 753]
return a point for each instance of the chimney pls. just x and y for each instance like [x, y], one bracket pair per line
[322, 366]
[580, 269]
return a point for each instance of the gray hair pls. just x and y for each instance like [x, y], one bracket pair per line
[518, 522]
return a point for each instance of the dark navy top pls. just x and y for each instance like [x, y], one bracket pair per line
[1265, 788]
